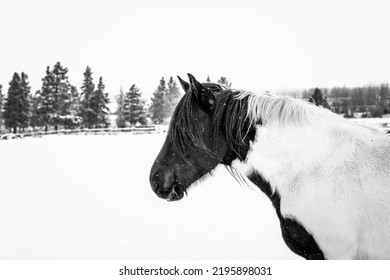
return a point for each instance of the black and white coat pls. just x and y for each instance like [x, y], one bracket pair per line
[328, 178]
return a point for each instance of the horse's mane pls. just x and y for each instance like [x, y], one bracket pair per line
[272, 109]
[231, 116]
[236, 113]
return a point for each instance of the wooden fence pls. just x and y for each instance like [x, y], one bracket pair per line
[145, 129]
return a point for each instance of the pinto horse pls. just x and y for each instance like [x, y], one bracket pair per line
[328, 178]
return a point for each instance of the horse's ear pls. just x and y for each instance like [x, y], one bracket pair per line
[184, 84]
[202, 95]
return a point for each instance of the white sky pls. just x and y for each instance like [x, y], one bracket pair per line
[257, 44]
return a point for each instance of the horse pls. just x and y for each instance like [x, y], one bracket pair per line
[328, 178]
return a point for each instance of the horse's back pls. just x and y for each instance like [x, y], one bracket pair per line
[362, 185]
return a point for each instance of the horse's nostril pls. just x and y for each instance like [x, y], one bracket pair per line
[162, 183]
[156, 187]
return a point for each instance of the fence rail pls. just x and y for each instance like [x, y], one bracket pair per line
[146, 129]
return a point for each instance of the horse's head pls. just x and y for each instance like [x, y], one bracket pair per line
[196, 142]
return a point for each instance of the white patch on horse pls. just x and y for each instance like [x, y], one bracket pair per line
[331, 174]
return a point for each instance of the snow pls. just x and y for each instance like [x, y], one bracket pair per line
[382, 124]
[372, 121]
[88, 197]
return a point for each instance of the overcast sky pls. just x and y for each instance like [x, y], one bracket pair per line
[257, 45]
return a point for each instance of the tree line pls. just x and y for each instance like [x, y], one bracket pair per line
[56, 104]
[59, 104]
[368, 101]
[132, 108]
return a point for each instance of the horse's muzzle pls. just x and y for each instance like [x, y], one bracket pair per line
[166, 187]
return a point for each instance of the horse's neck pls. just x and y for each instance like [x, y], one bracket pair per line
[281, 154]
[332, 177]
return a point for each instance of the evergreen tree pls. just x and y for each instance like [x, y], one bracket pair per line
[173, 94]
[98, 105]
[133, 107]
[160, 108]
[73, 118]
[224, 81]
[318, 99]
[36, 103]
[87, 90]
[1, 107]
[48, 100]
[120, 118]
[13, 104]
[24, 114]
[208, 80]
[62, 94]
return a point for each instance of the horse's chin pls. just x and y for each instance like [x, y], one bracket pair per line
[178, 191]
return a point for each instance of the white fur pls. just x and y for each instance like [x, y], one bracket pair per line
[333, 176]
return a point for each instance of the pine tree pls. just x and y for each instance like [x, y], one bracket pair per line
[224, 81]
[47, 107]
[87, 90]
[120, 118]
[98, 105]
[73, 118]
[208, 80]
[24, 114]
[62, 94]
[1, 107]
[318, 99]
[36, 103]
[174, 94]
[133, 107]
[160, 108]
[13, 104]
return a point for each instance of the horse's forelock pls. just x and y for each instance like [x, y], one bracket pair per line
[184, 128]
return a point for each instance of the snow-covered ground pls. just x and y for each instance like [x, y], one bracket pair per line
[382, 124]
[88, 197]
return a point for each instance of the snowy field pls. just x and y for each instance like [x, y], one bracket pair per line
[382, 124]
[88, 197]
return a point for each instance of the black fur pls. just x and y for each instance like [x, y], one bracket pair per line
[228, 117]
[297, 238]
